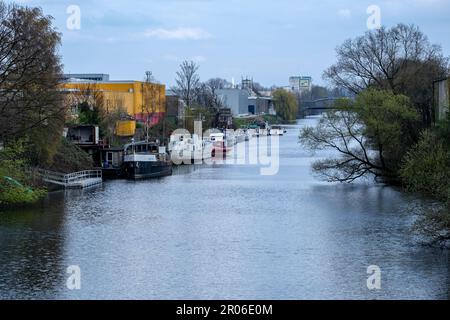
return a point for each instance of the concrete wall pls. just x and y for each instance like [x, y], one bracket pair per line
[442, 98]
[235, 99]
[261, 104]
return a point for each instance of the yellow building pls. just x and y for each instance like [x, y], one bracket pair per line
[141, 100]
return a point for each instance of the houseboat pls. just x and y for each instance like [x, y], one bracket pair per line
[144, 159]
[185, 149]
[276, 131]
[112, 162]
[220, 144]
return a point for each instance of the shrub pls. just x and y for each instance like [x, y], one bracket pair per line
[15, 177]
[16, 194]
[426, 167]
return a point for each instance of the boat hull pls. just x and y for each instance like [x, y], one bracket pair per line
[147, 170]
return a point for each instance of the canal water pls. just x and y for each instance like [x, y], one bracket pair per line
[222, 232]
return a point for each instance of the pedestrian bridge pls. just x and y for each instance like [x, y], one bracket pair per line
[76, 180]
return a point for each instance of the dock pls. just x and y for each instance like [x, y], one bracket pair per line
[76, 180]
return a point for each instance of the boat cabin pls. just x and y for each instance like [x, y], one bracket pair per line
[84, 135]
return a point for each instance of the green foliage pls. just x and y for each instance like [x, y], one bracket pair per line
[88, 114]
[426, 170]
[390, 124]
[245, 122]
[271, 119]
[15, 177]
[70, 158]
[240, 123]
[43, 144]
[11, 194]
[286, 105]
[13, 162]
[207, 115]
[426, 167]
[107, 125]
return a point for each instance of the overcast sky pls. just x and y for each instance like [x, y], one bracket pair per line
[266, 40]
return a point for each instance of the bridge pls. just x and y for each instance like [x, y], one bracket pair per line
[318, 106]
[76, 180]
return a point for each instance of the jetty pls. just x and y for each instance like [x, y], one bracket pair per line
[76, 180]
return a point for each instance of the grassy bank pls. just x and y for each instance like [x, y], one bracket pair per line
[19, 182]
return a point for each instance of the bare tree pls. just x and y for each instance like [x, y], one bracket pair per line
[207, 95]
[386, 59]
[215, 84]
[343, 132]
[86, 94]
[367, 136]
[188, 82]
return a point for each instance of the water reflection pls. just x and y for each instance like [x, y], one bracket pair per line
[31, 248]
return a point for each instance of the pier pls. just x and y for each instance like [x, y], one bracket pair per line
[76, 180]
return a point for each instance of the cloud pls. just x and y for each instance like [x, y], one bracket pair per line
[345, 13]
[178, 34]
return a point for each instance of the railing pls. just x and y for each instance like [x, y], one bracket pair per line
[67, 179]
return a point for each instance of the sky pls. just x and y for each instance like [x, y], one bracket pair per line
[267, 40]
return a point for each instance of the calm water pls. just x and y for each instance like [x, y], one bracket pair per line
[222, 232]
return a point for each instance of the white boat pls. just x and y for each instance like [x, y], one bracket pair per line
[276, 131]
[241, 136]
[220, 144]
[186, 149]
[231, 138]
[217, 137]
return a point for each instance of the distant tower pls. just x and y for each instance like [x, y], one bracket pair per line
[149, 76]
[247, 83]
[233, 84]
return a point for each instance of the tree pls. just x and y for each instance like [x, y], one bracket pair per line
[371, 135]
[215, 84]
[400, 59]
[188, 82]
[286, 104]
[30, 71]
[151, 99]
[207, 95]
[87, 103]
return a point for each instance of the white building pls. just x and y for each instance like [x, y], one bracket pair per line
[300, 84]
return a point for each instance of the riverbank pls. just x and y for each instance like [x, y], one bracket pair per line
[20, 184]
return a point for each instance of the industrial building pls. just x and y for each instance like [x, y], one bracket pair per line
[246, 100]
[86, 76]
[235, 99]
[299, 84]
[143, 101]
